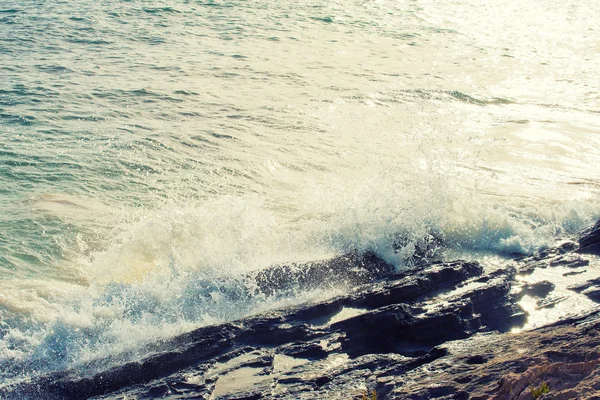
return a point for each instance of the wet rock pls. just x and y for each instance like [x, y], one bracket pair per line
[570, 261]
[589, 240]
[580, 287]
[479, 359]
[322, 380]
[435, 278]
[441, 331]
[550, 302]
[352, 269]
[593, 293]
[538, 289]
[573, 273]
[567, 247]
[312, 350]
[528, 269]
[589, 288]
[554, 258]
[393, 315]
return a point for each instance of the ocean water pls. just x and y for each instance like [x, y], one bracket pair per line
[154, 153]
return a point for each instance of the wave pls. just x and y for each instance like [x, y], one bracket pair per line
[170, 270]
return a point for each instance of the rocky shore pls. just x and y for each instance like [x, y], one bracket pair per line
[451, 330]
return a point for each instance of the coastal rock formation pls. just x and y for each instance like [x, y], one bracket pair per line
[589, 240]
[445, 330]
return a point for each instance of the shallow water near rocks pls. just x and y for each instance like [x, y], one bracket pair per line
[561, 302]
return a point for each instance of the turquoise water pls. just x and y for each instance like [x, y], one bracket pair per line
[153, 153]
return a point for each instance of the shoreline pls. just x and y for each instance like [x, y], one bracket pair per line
[446, 330]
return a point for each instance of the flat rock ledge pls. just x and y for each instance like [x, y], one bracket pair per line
[442, 331]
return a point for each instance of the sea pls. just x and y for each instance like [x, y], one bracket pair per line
[156, 153]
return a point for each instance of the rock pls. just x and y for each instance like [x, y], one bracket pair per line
[310, 350]
[589, 288]
[580, 287]
[570, 261]
[567, 247]
[443, 330]
[538, 289]
[589, 240]
[593, 293]
[392, 319]
[352, 269]
[527, 265]
[573, 273]
[479, 359]
[550, 302]
[510, 364]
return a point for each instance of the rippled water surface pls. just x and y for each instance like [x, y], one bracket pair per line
[153, 153]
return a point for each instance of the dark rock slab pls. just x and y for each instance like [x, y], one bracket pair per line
[538, 289]
[431, 281]
[573, 273]
[593, 293]
[352, 269]
[502, 362]
[550, 302]
[527, 265]
[392, 317]
[569, 260]
[191, 349]
[590, 288]
[580, 287]
[589, 240]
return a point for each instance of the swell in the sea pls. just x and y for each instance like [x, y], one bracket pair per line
[172, 270]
